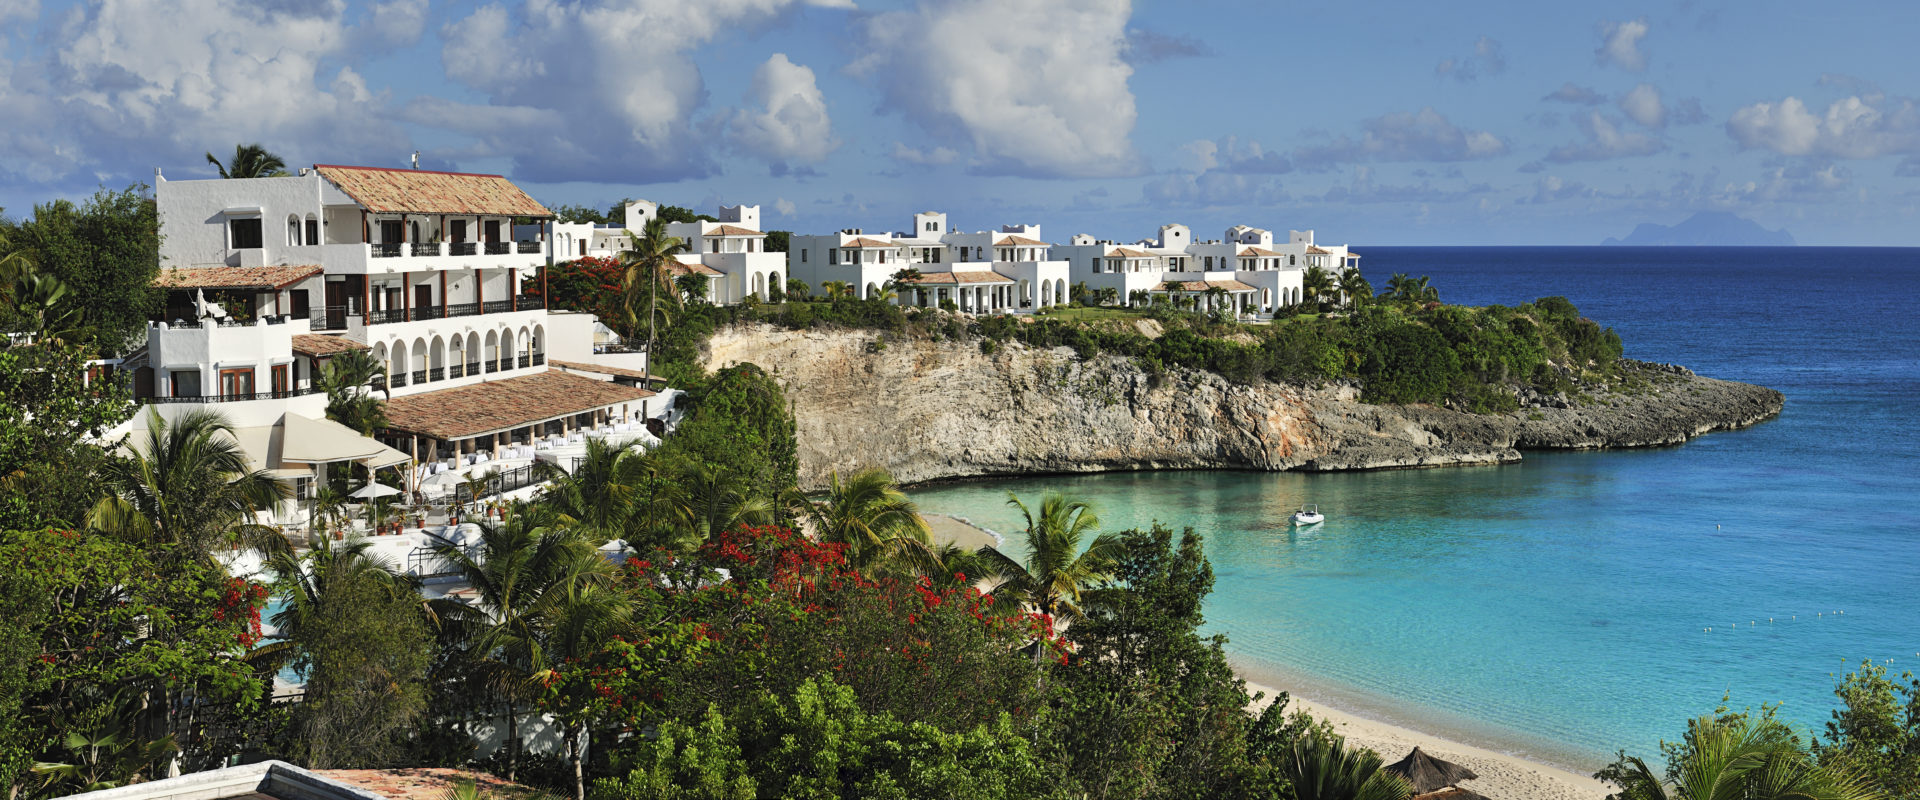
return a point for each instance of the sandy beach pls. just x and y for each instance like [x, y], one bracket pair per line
[950, 529]
[1502, 777]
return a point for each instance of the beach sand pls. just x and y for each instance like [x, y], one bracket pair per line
[949, 529]
[1502, 777]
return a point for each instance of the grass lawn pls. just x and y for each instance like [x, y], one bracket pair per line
[1089, 314]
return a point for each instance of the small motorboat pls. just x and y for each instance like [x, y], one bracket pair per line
[1308, 515]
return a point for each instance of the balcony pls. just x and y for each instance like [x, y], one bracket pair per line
[231, 398]
[531, 248]
[464, 249]
[387, 257]
[423, 249]
[499, 248]
[330, 318]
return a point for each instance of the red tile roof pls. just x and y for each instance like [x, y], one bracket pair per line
[732, 230]
[577, 366]
[677, 268]
[1022, 240]
[481, 408]
[426, 192]
[235, 277]
[866, 242]
[320, 345]
[1128, 252]
[1201, 286]
[956, 278]
[1261, 251]
[1316, 250]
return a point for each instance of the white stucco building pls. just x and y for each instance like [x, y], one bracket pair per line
[730, 252]
[1012, 270]
[266, 278]
[1257, 274]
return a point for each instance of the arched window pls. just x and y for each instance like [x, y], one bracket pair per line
[293, 230]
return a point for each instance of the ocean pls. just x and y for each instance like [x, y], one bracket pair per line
[1560, 608]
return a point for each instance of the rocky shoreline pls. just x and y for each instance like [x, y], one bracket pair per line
[929, 410]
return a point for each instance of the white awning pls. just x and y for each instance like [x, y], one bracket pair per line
[322, 441]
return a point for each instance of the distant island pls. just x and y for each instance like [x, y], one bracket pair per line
[1706, 229]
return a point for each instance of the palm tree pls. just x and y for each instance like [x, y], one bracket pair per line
[585, 616]
[1324, 768]
[520, 570]
[1422, 291]
[1355, 288]
[653, 251]
[596, 498]
[710, 501]
[691, 287]
[1740, 757]
[1216, 297]
[1316, 284]
[304, 583]
[797, 289]
[877, 522]
[1057, 571]
[250, 161]
[345, 379]
[903, 279]
[1140, 297]
[187, 484]
[1398, 286]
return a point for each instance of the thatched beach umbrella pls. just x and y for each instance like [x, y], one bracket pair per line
[1429, 774]
[1455, 793]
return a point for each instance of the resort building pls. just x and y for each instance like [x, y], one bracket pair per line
[730, 252]
[1245, 271]
[268, 278]
[984, 272]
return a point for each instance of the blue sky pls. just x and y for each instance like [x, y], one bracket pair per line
[1372, 122]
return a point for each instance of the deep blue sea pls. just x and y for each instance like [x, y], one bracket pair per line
[1558, 608]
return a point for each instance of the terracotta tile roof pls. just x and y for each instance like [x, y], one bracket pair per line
[866, 242]
[732, 230]
[1128, 252]
[481, 408]
[957, 278]
[234, 277]
[320, 345]
[1351, 254]
[1022, 240]
[602, 369]
[426, 192]
[1201, 286]
[678, 268]
[1261, 251]
[1316, 250]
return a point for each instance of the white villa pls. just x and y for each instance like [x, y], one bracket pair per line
[1013, 270]
[1258, 275]
[730, 253]
[267, 278]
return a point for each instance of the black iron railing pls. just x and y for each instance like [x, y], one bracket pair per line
[473, 368]
[493, 366]
[464, 248]
[499, 483]
[463, 309]
[424, 249]
[425, 562]
[539, 358]
[386, 250]
[389, 315]
[419, 377]
[499, 248]
[429, 312]
[330, 318]
[529, 248]
[497, 307]
[620, 347]
[531, 302]
[437, 374]
[230, 398]
[526, 360]
[397, 381]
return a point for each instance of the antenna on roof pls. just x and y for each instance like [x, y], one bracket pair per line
[416, 159]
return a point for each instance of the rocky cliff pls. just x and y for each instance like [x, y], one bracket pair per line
[927, 410]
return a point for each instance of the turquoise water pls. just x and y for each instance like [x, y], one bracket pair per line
[1558, 608]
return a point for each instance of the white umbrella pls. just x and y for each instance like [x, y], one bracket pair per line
[443, 480]
[372, 490]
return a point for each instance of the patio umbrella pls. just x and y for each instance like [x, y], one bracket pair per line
[1429, 774]
[443, 480]
[372, 490]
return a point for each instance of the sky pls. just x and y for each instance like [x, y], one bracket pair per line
[1394, 123]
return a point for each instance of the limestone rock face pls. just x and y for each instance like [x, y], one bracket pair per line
[927, 410]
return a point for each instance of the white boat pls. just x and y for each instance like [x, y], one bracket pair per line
[1308, 515]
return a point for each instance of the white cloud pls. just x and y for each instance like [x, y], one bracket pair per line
[1642, 104]
[1854, 127]
[1620, 45]
[1488, 58]
[1230, 154]
[1036, 89]
[19, 9]
[1553, 188]
[1569, 92]
[784, 206]
[568, 85]
[1213, 189]
[791, 124]
[1424, 135]
[1605, 140]
[118, 86]
[932, 156]
[395, 22]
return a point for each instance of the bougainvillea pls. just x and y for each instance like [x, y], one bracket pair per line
[590, 283]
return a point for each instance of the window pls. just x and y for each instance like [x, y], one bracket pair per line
[1209, 262]
[183, 383]
[302, 488]
[293, 231]
[244, 234]
[1293, 261]
[236, 382]
[833, 256]
[803, 256]
[313, 231]
[280, 382]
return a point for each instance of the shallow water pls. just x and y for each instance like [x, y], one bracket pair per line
[1559, 607]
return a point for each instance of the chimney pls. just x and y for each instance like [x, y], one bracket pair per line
[416, 159]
